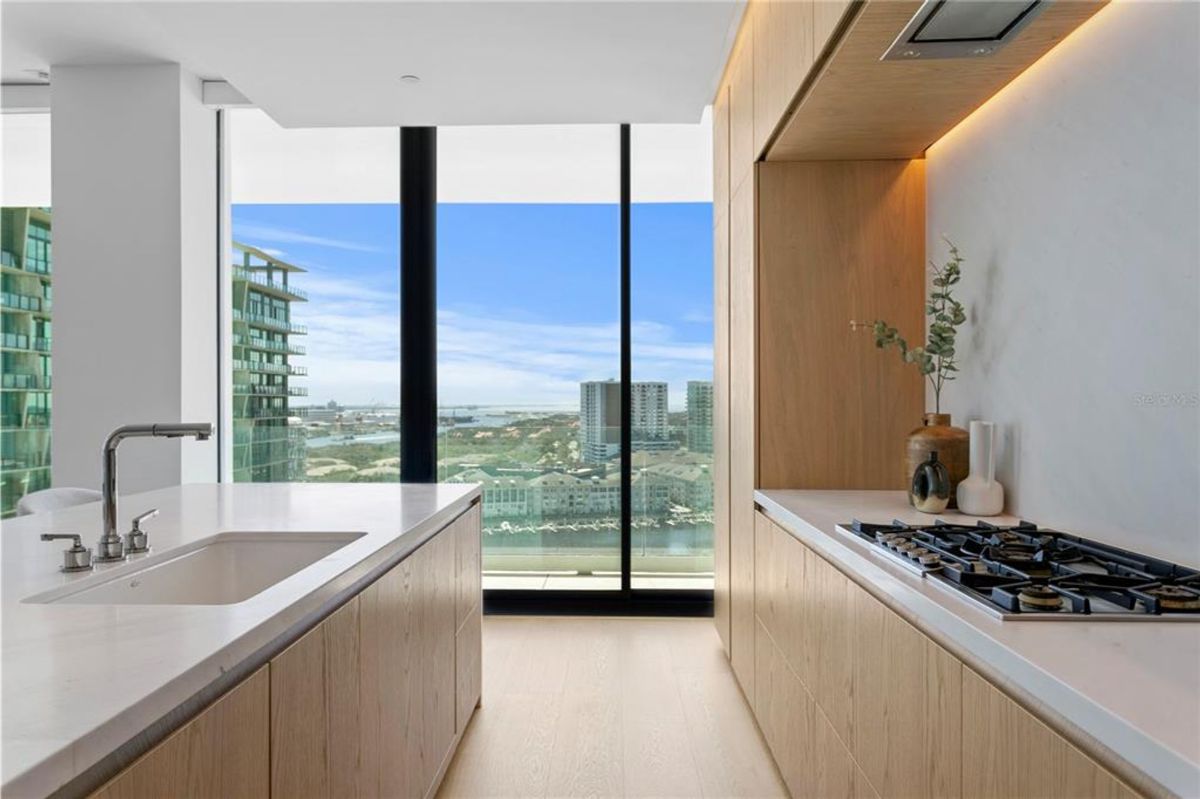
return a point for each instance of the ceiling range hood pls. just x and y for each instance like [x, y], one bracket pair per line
[962, 28]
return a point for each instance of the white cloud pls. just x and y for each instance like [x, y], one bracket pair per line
[285, 236]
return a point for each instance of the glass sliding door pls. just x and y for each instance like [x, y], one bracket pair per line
[672, 355]
[26, 308]
[529, 347]
[313, 358]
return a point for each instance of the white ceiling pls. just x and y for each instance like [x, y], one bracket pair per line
[493, 62]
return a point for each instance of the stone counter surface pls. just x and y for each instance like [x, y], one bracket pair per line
[80, 682]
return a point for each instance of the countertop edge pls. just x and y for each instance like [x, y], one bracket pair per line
[1144, 762]
[162, 712]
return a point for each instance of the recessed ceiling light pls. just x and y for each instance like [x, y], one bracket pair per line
[410, 79]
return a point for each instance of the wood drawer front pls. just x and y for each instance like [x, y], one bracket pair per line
[468, 668]
[1008, 752]
[811, 757]
[223, 752]
[467, 530]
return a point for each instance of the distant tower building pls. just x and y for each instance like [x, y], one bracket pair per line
[599, 420]
[651, 429]
[25, 300]
[699, 415]
[267, 448]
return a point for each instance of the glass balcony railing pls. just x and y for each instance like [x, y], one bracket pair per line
[267, 321]
[14, 341]
[240, 340]
[262, 413]
[23, 302]
[260, 280]
[269, 368]
[269, 391]
[26, 381]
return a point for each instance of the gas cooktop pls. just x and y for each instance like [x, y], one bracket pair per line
[1023, 572]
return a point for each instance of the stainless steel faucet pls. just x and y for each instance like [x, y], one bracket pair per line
[111, 546]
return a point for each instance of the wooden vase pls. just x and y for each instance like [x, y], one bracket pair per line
[952, 444]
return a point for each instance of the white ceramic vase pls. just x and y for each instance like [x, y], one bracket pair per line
[980, 494]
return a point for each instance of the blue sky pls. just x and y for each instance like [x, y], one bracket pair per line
[527, 297]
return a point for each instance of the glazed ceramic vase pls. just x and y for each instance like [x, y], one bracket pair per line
[980, 494]
[950, 443]
[930, 488]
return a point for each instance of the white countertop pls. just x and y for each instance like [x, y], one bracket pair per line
[79, 681]
[1133, 687]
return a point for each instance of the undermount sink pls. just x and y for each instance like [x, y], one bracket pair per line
[220, 570]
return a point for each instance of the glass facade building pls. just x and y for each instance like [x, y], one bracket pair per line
[26, 298]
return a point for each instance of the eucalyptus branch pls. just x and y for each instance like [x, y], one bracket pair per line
[937, 359]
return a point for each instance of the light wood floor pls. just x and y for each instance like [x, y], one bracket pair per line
[609, 707]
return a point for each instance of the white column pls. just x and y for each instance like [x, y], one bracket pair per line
[135, 270]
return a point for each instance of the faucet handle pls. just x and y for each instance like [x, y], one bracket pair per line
[135, 539]
[77, 558]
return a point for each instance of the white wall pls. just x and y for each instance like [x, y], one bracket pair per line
[1074, 195]
[134, 186]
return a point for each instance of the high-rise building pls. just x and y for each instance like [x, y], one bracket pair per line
[268, 441]
[649, 424]
[700, 415]
[600, 419]
[25, 299]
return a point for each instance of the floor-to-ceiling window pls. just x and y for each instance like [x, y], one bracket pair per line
[672, 350]
[26, 307]
[313, 354]
[529, 347]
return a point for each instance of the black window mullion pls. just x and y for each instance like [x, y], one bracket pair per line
[626, 375]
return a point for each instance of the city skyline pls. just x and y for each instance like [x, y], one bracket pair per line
[515, 326]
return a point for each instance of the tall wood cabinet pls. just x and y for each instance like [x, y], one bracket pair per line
[799, 251]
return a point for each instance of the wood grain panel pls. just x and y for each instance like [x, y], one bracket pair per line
[859, 107]
[1007, 752]
[438, 682]
[467, 530]
[830, 605]
[721, 365]
[783, 55]
[742, 420]
[741, 103]
[314, 711]
[907, 708]
[468, 666]
[223, 752]
[827, 15]
[838, 241]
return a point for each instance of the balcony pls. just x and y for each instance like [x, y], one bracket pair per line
[260, 320]
[27, 382]
[260, 281]
[269, 368]
[23, 302]
[14, 341]
[240, 340]
[251, 389]
[262, 413]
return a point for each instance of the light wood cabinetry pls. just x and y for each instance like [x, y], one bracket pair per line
[315, 711]
[368, 703]
[853, 700]
[837, 241]
[783, 55]
[742, 153]
[222, 752]
[721, 364]
[1007, 752]
[827, 15]
[742, 435]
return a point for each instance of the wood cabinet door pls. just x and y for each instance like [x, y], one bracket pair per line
[721, 364]
[783, 56]
[314, 711]
[742, 432]
[1007, 752]
[468, 643]
[906, 695]
[407, 680]
[223, 752]
[467, 530]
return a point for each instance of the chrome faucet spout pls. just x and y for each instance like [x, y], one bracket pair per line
[111, 546]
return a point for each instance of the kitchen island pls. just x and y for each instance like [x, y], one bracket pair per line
[92, 691]
[1007, 707]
